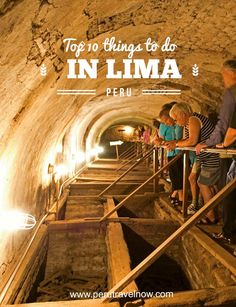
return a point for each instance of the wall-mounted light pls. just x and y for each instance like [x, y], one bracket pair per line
[128, 129]
[59, 148]
[13, 220]
[98, 149]
[50, 168]
[95, 151]
[80, 157]
[61, 170]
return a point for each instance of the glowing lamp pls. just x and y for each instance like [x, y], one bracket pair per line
[13, 220]
[61, 170]
[50, 168]
[59, 148]
[128, 129]
[80, 156]
[95, 151]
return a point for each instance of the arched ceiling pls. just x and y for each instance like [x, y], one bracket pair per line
[34, 118]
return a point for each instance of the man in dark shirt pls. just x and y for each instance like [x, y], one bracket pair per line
[227, 108]
[229, 207]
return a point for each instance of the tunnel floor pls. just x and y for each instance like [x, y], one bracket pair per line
[84, 257]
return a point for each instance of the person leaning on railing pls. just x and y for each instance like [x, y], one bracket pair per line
[227, 108]
[169, 131]
[229, 207]
[198, 127]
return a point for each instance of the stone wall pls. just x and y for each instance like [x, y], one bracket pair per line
[201, 267]
[77, 207]
[196, 253]
[82, 251]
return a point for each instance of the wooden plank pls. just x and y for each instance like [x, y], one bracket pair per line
[118, 253]
[71, 224]
[139, 269]
[217, 251]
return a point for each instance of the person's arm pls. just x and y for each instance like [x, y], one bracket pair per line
[194, 133]
[230, 137]
[226, 111]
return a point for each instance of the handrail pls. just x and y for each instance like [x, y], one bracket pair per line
[126, 151]
[127, 162]
[141, 267]
[126, 172]
[140, 187]
[131, 153]
[229, 151]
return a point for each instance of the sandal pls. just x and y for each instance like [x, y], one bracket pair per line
[173, 200]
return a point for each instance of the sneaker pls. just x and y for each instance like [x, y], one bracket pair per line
[221, 237]
[191, 209]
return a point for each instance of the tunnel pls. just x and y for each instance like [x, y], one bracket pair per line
[58, 121]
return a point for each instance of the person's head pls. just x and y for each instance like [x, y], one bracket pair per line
[229, 73]
[164, 115]
[180, 113]
[155, 123]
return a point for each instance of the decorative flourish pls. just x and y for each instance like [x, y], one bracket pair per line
[43, 70]
[195, 70]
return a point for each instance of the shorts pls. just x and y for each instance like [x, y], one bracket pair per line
[196, 167]
[209, 175]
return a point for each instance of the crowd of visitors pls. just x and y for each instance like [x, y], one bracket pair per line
[178, 126]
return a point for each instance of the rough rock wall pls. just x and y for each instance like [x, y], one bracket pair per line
[34, 118]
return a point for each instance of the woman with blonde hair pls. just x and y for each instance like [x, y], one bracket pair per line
[197, 129]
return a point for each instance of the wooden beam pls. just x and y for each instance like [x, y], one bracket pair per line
[139, 269]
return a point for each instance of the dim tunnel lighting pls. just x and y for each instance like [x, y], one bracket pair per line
[13, 220]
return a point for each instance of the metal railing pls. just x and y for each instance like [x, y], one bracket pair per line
[147, 155]
[124, 154]
[122, 203]
[132, 158]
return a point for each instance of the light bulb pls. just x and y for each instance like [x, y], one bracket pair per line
[12, 220]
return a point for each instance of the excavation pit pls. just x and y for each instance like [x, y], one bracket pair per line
[88, 257]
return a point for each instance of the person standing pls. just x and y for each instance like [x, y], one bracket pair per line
[229, 207]
[198, 127]
[227, 109]
[169, 131]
